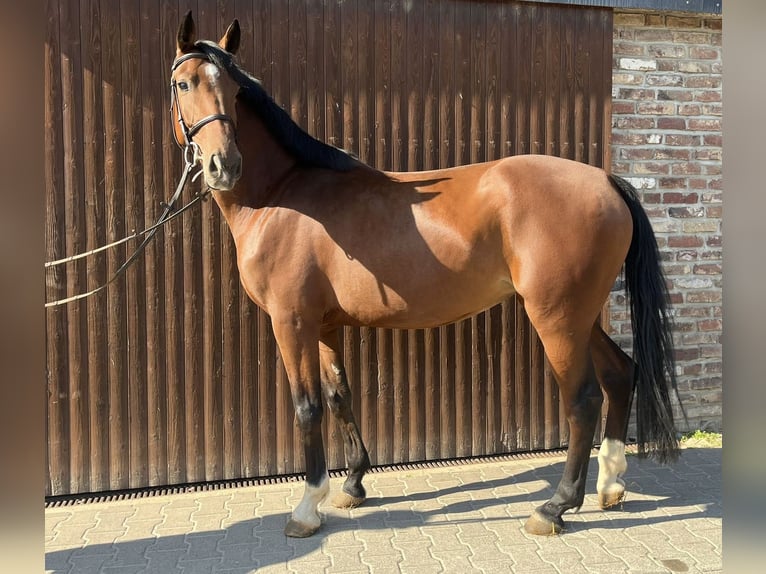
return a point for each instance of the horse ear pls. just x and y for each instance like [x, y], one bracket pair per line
[187, 34]
[230, 40]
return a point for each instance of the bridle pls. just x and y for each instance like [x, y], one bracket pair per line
[190, 131]
[192, 154]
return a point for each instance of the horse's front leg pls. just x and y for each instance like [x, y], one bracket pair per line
[298, 342]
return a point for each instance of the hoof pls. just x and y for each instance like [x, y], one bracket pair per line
[613, 495]
[541, 525]
[296, 529]
[610, 499]
[345, 500]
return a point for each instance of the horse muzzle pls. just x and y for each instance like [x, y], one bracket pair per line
[223, 171]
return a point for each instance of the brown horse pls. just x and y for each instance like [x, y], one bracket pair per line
[324, 240]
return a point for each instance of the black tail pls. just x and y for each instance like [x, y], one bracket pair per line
[652, 338]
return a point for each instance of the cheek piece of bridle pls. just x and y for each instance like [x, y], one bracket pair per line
[187, 130]
[192, 154]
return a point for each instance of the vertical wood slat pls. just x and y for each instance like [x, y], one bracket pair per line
[57, 358]
[95, 236]
[114, 167]
[173, 375]
[173, 239]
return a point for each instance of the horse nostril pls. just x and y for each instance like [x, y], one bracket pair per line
[214, 167]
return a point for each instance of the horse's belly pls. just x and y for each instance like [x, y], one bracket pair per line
[420, 302]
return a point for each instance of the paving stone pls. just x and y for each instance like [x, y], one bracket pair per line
[135, 569]
[202, 566]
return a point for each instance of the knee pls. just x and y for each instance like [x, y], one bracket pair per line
[308, 413]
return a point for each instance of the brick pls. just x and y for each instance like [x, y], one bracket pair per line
[623, 108]
[651, 198]
[642, 182]
[702, 82]
[630, 78]
[712, 23]
[686, 168]
[707, 155]
[686, 241]
[678, 197]
[714, 212]
[712, 197]
[668, 65]
[656, 108]
[712, 110]
[686, 354]
[687, 255]
[680, 95]
[683, 22]
[686, 212]
[682, 140]
[708, 269]
[691, 67]
[693, 312]
[654, 35]
[663, 80]
[667, 50]
[671, 123]
[692, 283]
[651, 168]
[636, 94]
[690, 110]
[673, 183]
[628, 49]
[687, 37]
[703, 297]
[637, 64]
[700, 53]
[672, 153]
[714, 241]
[631, 139]
[711, 169]
[710, 325]
[636, 153]
[704, 226]
[706, 96]
[712, 140]
[635, 123]
[628, 19]
[705, 125]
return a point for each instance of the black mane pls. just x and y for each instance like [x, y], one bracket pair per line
[295, 140]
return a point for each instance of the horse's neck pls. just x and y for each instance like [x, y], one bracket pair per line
[265, 163]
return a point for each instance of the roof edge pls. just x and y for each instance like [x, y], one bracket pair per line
[695, 6]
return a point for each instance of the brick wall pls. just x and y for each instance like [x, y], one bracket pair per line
[666, 140]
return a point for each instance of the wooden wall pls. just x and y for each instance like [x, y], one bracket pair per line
[172, 375]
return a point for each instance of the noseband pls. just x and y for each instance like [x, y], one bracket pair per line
[187, 130]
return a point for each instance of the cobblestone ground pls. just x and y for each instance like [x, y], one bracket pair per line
[466, 518]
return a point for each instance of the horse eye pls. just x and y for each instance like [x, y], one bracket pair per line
[183, 86]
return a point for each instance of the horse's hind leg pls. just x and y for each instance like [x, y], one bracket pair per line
[338, 396]
[567, 348]
[614, 370]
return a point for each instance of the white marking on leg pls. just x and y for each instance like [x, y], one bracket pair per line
[306, 512]
[612, 464]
